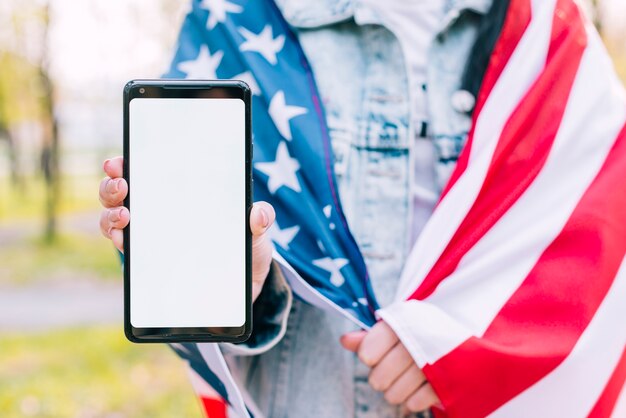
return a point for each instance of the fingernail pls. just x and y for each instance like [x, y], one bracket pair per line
[265, 220]
[106, 164]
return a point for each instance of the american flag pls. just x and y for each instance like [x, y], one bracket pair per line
[513, 300]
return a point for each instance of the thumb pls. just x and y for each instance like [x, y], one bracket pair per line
[262, 217]
[352, 340]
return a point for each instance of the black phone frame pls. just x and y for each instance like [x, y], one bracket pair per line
[164, 88]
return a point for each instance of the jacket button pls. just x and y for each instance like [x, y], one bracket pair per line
[463, 101]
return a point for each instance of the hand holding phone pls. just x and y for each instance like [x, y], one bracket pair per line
[114, 217]
[191, 282]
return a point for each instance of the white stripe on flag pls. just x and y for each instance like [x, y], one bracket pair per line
[586, 370]
[526, 63]
[427, 332]
[523, 68]
[214, 359]
[498, 264]
[311, 295]
[202, 388]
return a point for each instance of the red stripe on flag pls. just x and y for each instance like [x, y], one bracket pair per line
[516, 22]
[540, 324]
[524, 145]
[606, 403]
[214, 407]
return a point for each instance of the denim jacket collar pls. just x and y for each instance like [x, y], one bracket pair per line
[313, 14]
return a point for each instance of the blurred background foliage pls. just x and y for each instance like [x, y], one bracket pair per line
[62, 67]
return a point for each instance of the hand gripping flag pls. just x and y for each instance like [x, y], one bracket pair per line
[514, 297]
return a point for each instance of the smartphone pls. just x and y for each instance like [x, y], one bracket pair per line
[187, 248]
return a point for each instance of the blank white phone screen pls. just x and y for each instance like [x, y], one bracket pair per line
[188, 211]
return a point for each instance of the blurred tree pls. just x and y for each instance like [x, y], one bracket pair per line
[8, 137]
[27, 106]
[50, 164]
[18, 107]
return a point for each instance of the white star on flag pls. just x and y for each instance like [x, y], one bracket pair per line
[249, 79]
[281, 114]
[217, 11]
[327, 210]
[332, 266]
[282, 172]
[204, 66]
[264, 43]
[283, 237]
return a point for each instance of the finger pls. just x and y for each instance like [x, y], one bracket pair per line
[423, 399]
[116, 218]
[378, 341]
[352, 340]
[262, 217]
[390, 368]
[117, 236]
[112, 192]
[104, 224]
[405, 385]
[114, 167]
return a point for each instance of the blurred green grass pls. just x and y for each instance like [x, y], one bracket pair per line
[26, 202]
[91, 372]
[79, 250]
[72, 255]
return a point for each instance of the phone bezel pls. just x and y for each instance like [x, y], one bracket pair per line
[189, 89]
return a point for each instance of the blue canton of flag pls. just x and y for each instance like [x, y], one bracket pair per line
[292, 169]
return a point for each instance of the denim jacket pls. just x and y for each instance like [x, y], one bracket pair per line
[293, 365]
